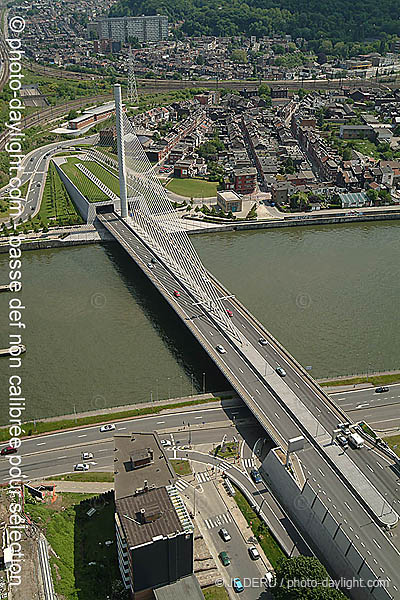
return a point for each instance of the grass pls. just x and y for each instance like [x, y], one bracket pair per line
[56, 206]
[215, 592]
[84, 185]
[181, 467]
[75, 539]
[374, 379]
[393, 440]
[267, 541]
[231, 449]
[368, 430]
[193, 188]
[94, 476]
[365, 147]
[48, 426]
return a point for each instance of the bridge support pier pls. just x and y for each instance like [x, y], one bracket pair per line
[121, 151]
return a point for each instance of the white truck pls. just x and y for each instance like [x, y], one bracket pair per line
[355, 440]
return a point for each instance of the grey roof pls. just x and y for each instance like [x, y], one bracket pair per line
[184, 589]
[159, 516]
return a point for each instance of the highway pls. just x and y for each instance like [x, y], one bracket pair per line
[271, 413]
[380, 410]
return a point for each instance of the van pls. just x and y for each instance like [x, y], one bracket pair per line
[355, 440]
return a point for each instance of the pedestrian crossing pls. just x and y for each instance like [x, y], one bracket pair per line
[203, 476]
[181, 485]
[248, 463]
[218, 521]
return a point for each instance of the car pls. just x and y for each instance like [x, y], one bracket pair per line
[224, 534]
[109, 427]
[150, 265]
[269, 579]
[255, 475]
[166, 442]
[237, 585]
[224, 558]
[177, 294]
[344, 428]
[342, 440]
[81, 467]
[229, 312]
[281, 371]
[220, 349]
[8, 450]
[38, 184]
[262, 341]
[86, 455]
[254, 553]
[153, 261]
[381, 389]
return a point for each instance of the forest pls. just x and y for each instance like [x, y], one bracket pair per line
[337, 20]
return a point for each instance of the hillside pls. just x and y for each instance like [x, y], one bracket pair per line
[336, 20]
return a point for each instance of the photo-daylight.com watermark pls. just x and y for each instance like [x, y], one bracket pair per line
[306, 583]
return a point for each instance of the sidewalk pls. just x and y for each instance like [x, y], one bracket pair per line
[78, 487]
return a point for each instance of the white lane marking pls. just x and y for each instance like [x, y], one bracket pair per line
[84, 435]
[375, 542]
[258, 391]
[104, 450]
[277, 416]
[379, 465]
[41, 444]
[211, 333]
[121, 428]
[370, 468]
[322, 473]
[348, 506]
[160, 422]
[198, 417]
[60, 457]
[295, 383]
[241, 370]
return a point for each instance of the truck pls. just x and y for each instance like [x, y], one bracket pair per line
[356, 440]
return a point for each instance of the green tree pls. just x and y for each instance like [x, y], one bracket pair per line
[239, 56]
[347, 153]
[302, 568]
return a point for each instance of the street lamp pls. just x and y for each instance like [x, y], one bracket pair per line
[191, 377]
[204, 383]
[169, 388]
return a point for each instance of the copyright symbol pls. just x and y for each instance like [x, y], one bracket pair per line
[219, 582]
[17, 24]
[99, 401]
[300, 503]
[303, 300]
[98, 300]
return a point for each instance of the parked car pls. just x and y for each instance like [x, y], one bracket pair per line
[224, 534]
[220, 349]
[81, 467]
[262, 341]
[150, 265]
[8, 450]
[109, 427]
[176, 293]
[345, 427]
[229, 312]
[254, 553]
[269, 579]
[87, 455]
[224, 558]
[237, 585]
[255, 475]
[281, 371]
[381, 389]
[342, 440]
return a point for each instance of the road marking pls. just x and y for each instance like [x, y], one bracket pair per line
[60, 457]
[41, 444]
[84, 435]
[258, 391]
[198, 417]
[348, 506]
[370, 468]
[322, 473]
[277, 416]
[104, 450]
[160, 422]
[379, 465]
[121, 428]
[240, 370]
[211, 333]
[375, 542]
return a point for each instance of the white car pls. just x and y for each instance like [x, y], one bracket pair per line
[81, 467]
[263, 342]
[254, 553]
[109, 427]
[166, 442]
[150, 265]
[220, 349]
[86, 455]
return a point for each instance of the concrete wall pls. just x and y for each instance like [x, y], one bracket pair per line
[318, 526]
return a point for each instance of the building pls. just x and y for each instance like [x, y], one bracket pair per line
[350, 132]
[153, 528]
[245, 180]
[152, 28]
[229, 201]
[92, 115]
[356, 200]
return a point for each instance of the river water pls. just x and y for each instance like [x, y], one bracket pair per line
[98, 335]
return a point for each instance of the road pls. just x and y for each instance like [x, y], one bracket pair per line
[381, 411]
[272, 413]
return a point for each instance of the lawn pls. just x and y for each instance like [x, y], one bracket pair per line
[78, 540]
[374, 379]
[365, 147]
[193, 188]
[181, 467]
[215, 592]
[85, 186]
[230, 449]
[56, 206]
[394, 443]
[267, 541]
[98, 476]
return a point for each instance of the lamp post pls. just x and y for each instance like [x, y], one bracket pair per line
[191, 377]
[204, 383]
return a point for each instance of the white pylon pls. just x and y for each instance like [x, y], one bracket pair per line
[132, 89]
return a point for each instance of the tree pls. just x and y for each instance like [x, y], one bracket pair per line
[347, 153]
[72, 115]
[239, 56]
[303, 568]
[264, 90]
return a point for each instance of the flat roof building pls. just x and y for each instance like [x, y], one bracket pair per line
[229, 201]
[151, 28]
[153, 528]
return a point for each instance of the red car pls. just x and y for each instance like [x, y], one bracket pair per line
[8, 450]
[176, 293]
[229, 312]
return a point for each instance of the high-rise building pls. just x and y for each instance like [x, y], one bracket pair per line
[153, 529]
[152, 28]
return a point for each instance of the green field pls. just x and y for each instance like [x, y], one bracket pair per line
[88, 189]
[100, 477]
[181, 467]
[373, 379]
[193, 188]
[215, 592]
[394, 443]
[77, 540]
[56, 207]
[268, 543]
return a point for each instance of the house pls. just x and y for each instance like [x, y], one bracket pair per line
[229, 201]
[354, 200]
